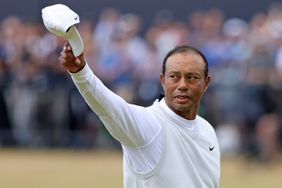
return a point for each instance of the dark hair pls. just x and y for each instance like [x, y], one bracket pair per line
[185, 49]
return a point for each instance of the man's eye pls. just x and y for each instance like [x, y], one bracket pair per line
[193, 79]
[172, 76]
[190, 77]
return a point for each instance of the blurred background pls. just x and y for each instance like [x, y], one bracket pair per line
[125, 42]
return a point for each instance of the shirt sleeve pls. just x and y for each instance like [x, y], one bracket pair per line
[133, 126]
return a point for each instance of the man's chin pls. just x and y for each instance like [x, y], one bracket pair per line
[182, 107]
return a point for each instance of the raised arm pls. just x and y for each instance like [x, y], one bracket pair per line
[131, 125]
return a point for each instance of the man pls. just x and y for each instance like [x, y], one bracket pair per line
[167, 144]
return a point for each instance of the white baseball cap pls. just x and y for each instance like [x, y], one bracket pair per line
[60, 20]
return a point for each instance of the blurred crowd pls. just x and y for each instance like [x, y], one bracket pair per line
[40, 107]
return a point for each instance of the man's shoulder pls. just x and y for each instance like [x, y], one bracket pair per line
[155, 104]
[205, 123]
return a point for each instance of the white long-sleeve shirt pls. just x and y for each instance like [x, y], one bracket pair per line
[156, 142]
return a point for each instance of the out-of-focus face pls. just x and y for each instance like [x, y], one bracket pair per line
[184, 83]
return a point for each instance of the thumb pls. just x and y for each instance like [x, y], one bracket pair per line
[78, 61]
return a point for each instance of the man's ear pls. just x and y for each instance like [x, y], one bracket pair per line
[162, 79]
[207, 82]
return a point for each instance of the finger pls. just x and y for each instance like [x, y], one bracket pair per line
[66, 57]
[62, 60]
[69, 48]
[64, 48]
[66, 43]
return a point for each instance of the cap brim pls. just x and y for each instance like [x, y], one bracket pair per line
[75, 41]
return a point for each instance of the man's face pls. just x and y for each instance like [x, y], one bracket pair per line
[184, 83]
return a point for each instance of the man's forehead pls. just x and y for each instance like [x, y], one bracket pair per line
[189, 57]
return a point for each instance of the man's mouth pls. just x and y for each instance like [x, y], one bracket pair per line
[182, 98]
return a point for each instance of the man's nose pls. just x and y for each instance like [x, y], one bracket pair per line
[182, 86]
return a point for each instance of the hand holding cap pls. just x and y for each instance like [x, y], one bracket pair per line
[60, 20]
